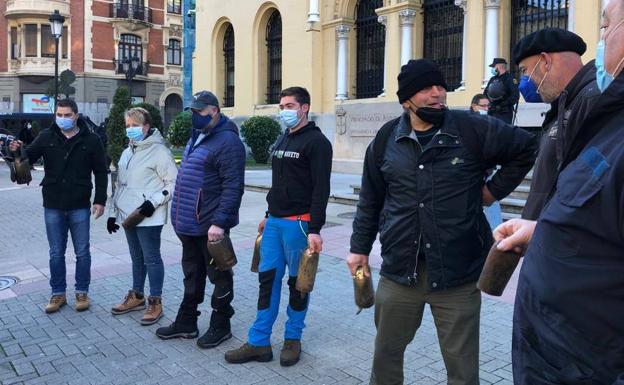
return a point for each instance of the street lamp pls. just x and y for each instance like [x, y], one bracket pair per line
[130, 67]
[56, 25]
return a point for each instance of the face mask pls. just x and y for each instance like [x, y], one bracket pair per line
[434, 116]
[289, 118]
[65, 124]
[494, 71]
[604, 78]
[135, 133]
[201, 122]
[528, 90]
[482, 112]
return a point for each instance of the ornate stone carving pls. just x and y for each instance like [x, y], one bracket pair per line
[342, 31]
[492, 3]
[175, 30]
[407, 16]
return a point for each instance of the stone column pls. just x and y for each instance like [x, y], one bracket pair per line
[492, 8]
[571, 15]
[463, 4]
[407, 31]
[313, 15]
[342, 37]
[383, 20]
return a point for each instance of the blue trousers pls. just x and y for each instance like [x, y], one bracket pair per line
[283, 241]
[58, 224]
[144, 245]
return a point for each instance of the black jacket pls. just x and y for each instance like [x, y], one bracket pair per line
[431, 200]
[508, 101]
[569, 304]
[561, 125]
[68, 165]
[301, 163]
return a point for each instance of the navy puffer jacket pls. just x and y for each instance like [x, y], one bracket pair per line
[210, 181]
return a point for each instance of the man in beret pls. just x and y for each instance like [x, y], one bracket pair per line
[569, 309]
[552, 72]
[502, 90]
[433, 245]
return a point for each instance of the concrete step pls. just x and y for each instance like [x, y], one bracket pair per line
[508, 216]
[512, 205]
[521, 192]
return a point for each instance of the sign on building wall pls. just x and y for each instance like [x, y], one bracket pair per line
[37, 104]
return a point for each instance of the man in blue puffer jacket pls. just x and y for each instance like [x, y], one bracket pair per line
[205, 205]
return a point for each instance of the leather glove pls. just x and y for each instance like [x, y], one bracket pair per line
[147, 209]
[111, 226]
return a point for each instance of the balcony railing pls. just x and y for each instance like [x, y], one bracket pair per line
[131, 11]
[142, 69]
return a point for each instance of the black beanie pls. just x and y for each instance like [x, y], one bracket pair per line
[417, 75]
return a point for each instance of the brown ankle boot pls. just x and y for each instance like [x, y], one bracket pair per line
[291, 351]
[248, 353]
[154, 311]
[56, 302]
[130, 303]
[82, 302]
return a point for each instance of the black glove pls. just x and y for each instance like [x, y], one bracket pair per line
[111, 226]
[147, 209]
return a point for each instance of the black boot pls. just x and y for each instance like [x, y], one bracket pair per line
[182, 327]
[218, 331]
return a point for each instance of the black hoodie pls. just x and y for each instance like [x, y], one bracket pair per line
[69, 165]
[301, 163]
[561, 125]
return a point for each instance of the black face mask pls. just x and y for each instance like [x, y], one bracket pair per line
[431, 115]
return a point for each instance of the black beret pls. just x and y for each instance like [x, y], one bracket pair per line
[548, 40]
[417, 75]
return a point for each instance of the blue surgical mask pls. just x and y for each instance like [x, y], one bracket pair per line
[65, 124]
[135, 133]
[494, 71]
[483, 112]
[289, 118]
[603, 77]
[201, 122]
[528, 90]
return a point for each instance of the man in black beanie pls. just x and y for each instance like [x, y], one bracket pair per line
[423, 189]
[552, 72]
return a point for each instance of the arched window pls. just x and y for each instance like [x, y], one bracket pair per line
[443, 38]
[228, 61]
[129, 47]
[274, 57]
[371, 36]
[531, 15]
[174, 52]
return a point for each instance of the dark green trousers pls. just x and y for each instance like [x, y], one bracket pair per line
[398, 314]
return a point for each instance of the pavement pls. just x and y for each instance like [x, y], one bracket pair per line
[95, 347]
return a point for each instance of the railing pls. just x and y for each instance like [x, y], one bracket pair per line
[130, 11]
[142, 69]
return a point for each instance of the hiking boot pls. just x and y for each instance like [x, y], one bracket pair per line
[131, 302]
[154, 311]
[177, 330]
[248, 353]
[291, 351]
[213, 338]
[82, 302]
[56, 302]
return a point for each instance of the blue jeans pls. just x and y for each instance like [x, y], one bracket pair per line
[283, 241]
[58, 223]
[144, 245]
[494, 214]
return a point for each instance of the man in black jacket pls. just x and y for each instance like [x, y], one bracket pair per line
[301, 164]
[568, 310]
[550, 64]
[423, 191]
[71, 155]
[502, 90]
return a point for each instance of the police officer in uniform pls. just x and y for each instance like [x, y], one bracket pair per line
[502, 91]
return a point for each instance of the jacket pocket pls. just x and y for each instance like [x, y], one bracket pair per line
[198, 204]
[582, 179]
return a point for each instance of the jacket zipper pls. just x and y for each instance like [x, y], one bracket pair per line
[415, 275]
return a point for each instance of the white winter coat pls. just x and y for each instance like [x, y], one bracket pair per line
[146, 171]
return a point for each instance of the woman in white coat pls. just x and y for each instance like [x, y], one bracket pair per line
[145, 181]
